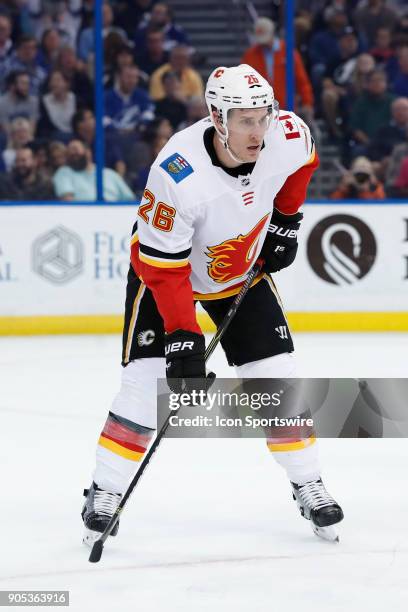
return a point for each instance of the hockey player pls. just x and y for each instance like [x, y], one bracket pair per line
[220, 194]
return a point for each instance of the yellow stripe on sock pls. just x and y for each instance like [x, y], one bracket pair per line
[120, 450]
[291, 446]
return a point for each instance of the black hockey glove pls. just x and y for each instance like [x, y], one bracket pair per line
[280, 246]
[185, 365]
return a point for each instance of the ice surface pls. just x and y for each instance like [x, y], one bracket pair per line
[212, 525]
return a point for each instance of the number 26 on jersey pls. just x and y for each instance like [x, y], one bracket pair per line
[163, 215]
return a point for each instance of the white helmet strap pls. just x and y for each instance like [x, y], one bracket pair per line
[223, 138]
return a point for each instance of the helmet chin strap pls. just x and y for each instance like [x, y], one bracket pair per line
[231, 154]
[223, 138]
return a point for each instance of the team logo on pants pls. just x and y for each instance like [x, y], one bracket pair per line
[234, 257]
[145, 338]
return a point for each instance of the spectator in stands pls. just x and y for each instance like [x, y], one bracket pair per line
[400, 35]
[338, 76]
[172, 106]
[86, 14]
[57, 155]
[401, 184]
[191, 81]
[394, 165]
[323, 47]
[39, 147]
[65, 16]
[161, 19]
[127, 105]
[84, 127]
[20, 135]
[75, 71]
[113, 45]
[17, 101]
[153, 55]
[268, 57]
[400, 81]
[77, 180]
[360, 183]
[323, 10]
[86, 38]
[116, 58]
[131, 13]
[25, 58]
[145, 151]
[155, 146]
[371, 111]
[382, 50]
[196, 110]
[50, 45]
[6, 44]
[303, 32]
[25, 182]
[392, 134]
[372, 15]
[57, 108]
[365, 64]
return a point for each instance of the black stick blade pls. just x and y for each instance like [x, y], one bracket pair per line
[96, 552]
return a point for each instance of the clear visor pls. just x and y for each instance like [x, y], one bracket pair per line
[249, 121]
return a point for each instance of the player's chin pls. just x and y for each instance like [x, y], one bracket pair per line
[252, 152]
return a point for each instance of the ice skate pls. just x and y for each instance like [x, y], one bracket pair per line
[97, 511]
[316, 505]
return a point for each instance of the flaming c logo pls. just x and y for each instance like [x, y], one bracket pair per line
[233, 258]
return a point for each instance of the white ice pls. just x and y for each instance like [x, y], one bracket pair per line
[212, 525]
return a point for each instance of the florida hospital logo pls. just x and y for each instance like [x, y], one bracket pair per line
[58, 255]
[233, 257]
[341, 249]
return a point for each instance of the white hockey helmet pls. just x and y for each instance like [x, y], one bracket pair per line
[237, 87]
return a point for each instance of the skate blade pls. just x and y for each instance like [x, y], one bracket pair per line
[90, 537]
[326, 533]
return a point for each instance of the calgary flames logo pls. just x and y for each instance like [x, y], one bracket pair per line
[233, 258]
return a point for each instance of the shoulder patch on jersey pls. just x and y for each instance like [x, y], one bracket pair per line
[177, 167]
[290, 127]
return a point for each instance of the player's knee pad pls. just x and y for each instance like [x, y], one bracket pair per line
[278, 366]
[137, 398]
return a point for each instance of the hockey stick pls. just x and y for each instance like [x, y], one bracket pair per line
[97, 548]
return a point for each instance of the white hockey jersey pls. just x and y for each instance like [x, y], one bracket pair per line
[195, 216]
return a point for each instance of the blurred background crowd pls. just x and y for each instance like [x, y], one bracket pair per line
[351, 75]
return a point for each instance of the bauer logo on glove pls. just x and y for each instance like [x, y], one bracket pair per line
[280, 246]
[185, 357]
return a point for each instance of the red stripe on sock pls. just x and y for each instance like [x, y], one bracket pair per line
[120, 433]
[133, 447]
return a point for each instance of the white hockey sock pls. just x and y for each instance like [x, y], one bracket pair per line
[130, 425]
[302, 461]
[301, 465]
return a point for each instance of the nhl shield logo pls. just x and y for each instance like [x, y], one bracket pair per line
[245, 180]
